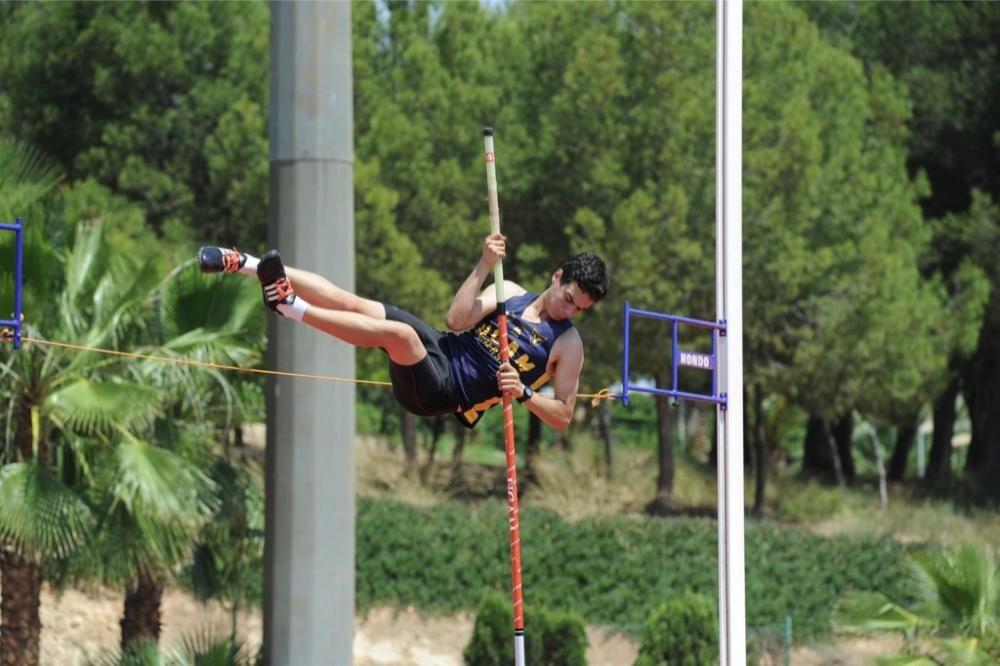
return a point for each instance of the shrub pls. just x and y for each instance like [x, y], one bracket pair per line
[551, 638]
[612, 571]
[681, 632]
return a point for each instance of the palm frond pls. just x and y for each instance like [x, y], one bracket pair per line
[865, 612]
[208, 648]
[203, 648]
[190, 300]
[39, 514]
[211, 346]
[963, 652]
[84, 265]
[145, 653]
[964, 584]
[119, 295]
[26, 177]
[111, 557]
[91, 407]
[205, 581]
[156, 483]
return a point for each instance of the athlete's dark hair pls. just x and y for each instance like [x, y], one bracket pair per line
[589, 272]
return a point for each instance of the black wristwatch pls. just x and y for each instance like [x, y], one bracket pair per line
[526, 394]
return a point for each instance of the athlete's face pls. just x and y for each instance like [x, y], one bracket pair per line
[566, 300]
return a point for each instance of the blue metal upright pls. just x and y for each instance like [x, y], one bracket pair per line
[679, 357]
[11, 328]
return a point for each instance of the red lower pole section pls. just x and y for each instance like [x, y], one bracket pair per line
[512, 515]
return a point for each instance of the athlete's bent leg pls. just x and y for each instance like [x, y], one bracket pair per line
[400, 341]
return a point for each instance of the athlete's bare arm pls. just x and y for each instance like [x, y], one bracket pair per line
[564, 366]
[471, 302]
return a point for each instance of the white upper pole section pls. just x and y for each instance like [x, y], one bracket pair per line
[491, 192]
[729, 299]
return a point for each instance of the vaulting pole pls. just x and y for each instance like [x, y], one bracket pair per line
[508, 412]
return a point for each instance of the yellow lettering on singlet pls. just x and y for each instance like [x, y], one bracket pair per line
[524, 363]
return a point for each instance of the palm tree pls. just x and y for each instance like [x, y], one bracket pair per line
[956, 618]
[201, 318]
[158, 494]
[57, 400]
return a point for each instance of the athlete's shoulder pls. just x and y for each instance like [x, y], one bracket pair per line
[513, 289]
[569, 339]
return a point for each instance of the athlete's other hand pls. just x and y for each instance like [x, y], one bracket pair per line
[494, 249]
[509, 381]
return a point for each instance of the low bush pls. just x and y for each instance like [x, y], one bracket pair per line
[682, 631]
[551, 638]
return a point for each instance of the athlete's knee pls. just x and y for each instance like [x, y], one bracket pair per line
[403, 343]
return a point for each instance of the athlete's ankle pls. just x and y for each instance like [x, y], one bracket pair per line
[249, 267]
[295, 310]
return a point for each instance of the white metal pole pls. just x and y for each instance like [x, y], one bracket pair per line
[729, 299]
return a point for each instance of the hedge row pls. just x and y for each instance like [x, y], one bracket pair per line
[610, 571]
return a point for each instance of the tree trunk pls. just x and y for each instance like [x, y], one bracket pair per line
[562, 440]
[604, 428]
[831, 441]
[905, 434]
[827, 449]
[409, 426]
[879, 466]
[456, 485]
[20, 622]
[761, 455]
[437, 429]
[21, 578]
[816, 459]
[843, 431]
[939, 461]
[661, 504]
[141, 619]
[982, 392]
[532, 449]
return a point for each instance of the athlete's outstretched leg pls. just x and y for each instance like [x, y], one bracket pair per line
[314, 288]
[399, 340]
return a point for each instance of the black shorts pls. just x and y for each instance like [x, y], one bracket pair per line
[426, 388]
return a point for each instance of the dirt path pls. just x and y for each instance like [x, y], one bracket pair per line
[78, 626]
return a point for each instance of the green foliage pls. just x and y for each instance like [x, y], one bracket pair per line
[26, 178]
[551, 638]
[612, 571]
[227, 562]
[164, 104]
[682, 631]
[810, 502]
[200, 649]
[943, 55]
[38, 513]
[957, 609]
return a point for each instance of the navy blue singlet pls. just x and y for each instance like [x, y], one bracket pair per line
[475, 356]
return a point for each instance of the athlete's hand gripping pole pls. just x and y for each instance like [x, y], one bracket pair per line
[508, 412]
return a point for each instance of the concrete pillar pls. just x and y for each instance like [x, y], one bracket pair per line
[309, 551]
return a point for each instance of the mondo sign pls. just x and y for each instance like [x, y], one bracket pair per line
[696, 360]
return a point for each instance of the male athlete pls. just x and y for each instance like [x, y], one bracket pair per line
[459, 372]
